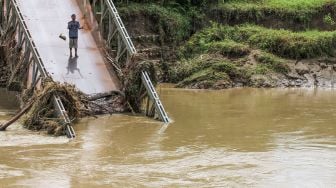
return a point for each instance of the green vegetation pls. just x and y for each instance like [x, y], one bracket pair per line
[209, 70]
[289, 5]
[186, 68]
[271, 62]
[206, 72]
[329, 20]
[284, 43]
[300, 12]
[171, 24]
[227, 48]
[204, 79]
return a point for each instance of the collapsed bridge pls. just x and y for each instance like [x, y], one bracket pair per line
[37, 25]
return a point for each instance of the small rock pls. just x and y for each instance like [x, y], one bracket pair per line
[301, 68]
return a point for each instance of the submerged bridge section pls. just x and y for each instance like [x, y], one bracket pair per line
[38, 24]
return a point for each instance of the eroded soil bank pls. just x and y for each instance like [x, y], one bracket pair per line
[218, 45]
[217, 73]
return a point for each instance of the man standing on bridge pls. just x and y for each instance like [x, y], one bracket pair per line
[73, 27]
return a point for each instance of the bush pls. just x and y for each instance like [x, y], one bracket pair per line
[329, 20]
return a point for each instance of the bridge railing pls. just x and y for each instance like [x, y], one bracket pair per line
[11, 18]
[111, 28]
[113, 31]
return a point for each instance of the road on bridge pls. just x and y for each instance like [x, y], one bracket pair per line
[46, 20]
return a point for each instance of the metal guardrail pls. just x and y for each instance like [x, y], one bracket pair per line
[41, 70]
[111, 27]
[154, 97]
[121, 28]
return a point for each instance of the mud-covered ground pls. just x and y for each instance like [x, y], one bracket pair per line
[305, 73]
[319, 72]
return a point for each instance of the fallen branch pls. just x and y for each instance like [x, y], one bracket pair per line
[3, 127]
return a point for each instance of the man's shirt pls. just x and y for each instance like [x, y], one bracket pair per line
[73, 27]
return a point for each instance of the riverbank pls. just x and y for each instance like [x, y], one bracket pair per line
[216, 45]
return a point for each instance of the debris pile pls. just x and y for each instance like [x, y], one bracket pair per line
[42, 115]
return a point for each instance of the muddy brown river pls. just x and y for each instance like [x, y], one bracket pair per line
[231, 138]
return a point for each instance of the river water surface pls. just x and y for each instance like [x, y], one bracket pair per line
[230, 138]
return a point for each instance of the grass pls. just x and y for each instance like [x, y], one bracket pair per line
[269, 63]
[291, 5]
[300, 12]
[228, 48]
[187, 67]
[207, 77]
[283, 43]
[208, 70]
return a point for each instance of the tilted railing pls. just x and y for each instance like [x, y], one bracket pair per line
[11, 16]
[121, 28]
[157, 104]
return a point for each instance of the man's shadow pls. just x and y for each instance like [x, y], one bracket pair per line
[72, 66]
